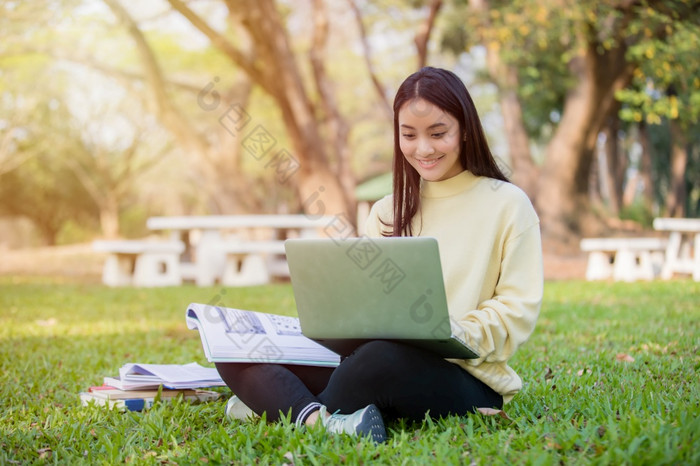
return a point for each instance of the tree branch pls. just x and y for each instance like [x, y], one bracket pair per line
[8, 164]
[91, 63]
[172, 118]
[424, 31]
[378, 86]
[86, 179]
[316, 56]
[338, 127]
[220, 42]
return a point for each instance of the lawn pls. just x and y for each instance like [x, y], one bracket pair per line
[611, 376]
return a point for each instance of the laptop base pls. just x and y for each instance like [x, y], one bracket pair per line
[447, 348]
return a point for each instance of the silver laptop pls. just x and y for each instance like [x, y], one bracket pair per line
[354, 290]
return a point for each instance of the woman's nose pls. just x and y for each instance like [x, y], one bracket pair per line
[425, 147]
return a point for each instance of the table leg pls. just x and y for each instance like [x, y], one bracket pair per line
[118, 269]
[625, 266]
[598, 267]
[696, 258]
[673, 250]
[209, 260]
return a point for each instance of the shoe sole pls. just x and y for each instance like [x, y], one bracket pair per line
[372, 424]
[236, 409]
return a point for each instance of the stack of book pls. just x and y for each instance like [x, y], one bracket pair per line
[138, 386]
[138, 400]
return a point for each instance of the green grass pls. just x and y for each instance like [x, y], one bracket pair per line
[582, 402]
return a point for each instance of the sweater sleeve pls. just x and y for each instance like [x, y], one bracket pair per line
[505, 321]
[380, 212]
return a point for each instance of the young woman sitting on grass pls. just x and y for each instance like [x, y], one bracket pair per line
[446, 185]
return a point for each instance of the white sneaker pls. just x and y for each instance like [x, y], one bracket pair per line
[236, 409]
[366, 421]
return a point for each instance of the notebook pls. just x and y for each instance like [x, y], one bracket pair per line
[354, 290]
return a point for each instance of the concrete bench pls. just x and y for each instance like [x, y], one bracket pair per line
[623, 259]
[250, 263]
[683, 251]
[141, 263]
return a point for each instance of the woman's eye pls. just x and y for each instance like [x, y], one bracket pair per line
[438, 135]
[408, 136]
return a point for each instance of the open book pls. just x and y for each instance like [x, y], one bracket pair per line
[235, 335]
[134, 376]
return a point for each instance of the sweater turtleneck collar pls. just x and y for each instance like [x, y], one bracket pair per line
[449, 187]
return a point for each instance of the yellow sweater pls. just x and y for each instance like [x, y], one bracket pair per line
[491, 254]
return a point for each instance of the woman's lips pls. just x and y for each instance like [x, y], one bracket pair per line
[429, 163]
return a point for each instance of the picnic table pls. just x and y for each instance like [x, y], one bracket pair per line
[237, 250]
[683, 249]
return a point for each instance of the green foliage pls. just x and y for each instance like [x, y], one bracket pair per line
[45, 191]
[667, 81]
[539, 40]
[610, 378]
[73, 232]
[542, 40]
[660, 148]
[666, 87]
[639, 213]
[132, 221]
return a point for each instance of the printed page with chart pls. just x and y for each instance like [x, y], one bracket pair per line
[235, 335]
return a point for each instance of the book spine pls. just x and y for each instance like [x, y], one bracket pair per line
[139, 404]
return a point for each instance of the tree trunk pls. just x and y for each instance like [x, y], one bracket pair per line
[646, 168]
[319, 190]
[562, 194]
[616, 165]
[597, 182]
[675, 203]
[48, 232]
[282, 78]
[337, 128]
[523, 171]
[109, 216]
[229, 189]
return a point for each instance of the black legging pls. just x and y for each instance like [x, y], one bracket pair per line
[402, 381]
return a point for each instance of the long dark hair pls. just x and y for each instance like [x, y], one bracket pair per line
[445, 90]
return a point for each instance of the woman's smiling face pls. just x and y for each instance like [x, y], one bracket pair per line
[429, 139]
